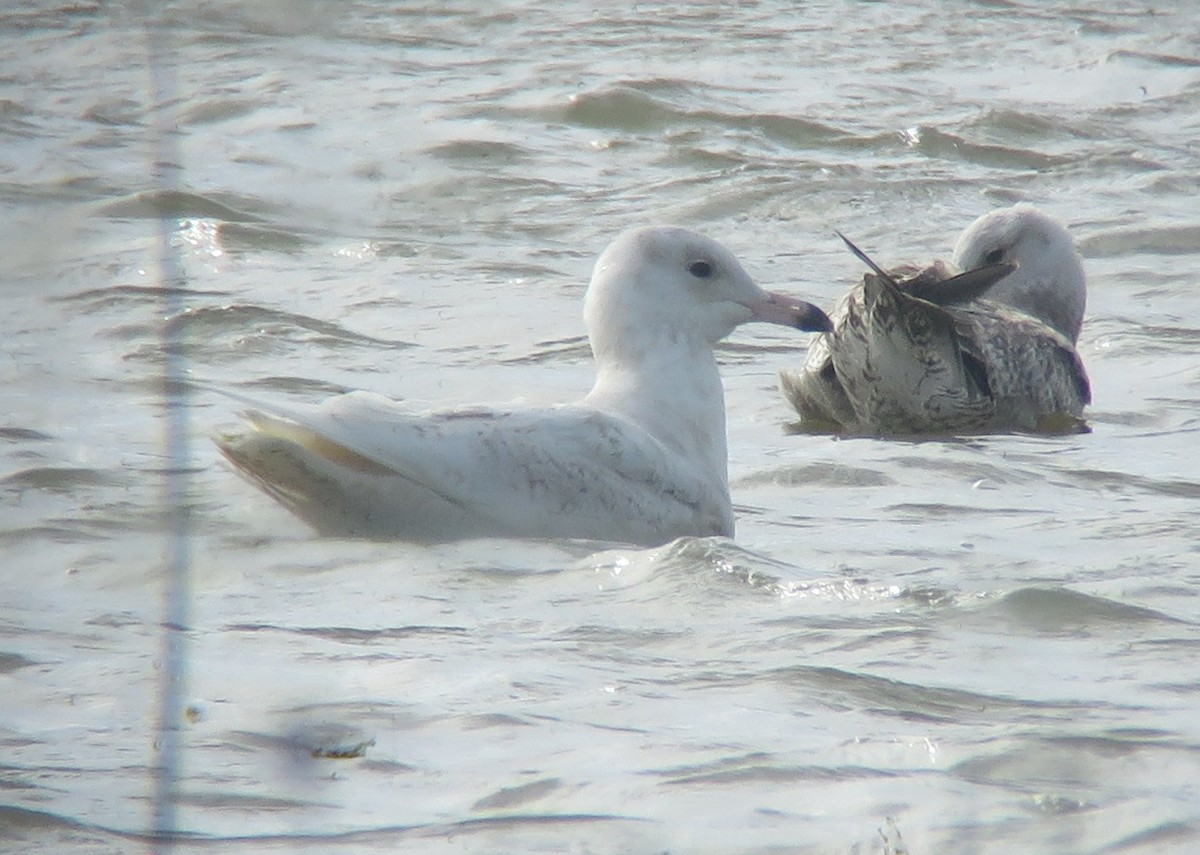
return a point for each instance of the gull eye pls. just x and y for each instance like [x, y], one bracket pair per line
[994, 257]
[700, 269]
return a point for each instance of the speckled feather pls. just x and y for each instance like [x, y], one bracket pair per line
[924, 355]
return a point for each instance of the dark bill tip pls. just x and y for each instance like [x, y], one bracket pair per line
[811, 319]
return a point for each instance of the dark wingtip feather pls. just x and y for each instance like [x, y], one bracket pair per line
[866, 259]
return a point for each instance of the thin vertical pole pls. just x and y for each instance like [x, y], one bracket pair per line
[176, 595]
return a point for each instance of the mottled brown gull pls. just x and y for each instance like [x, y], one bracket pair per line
[937, 350]
[641, 459]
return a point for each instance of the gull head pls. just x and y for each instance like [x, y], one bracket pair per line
[665, 283]
[1048, 283]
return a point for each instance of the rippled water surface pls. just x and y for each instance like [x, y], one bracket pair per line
[976, 645]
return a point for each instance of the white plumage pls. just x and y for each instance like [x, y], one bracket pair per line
[642, 459]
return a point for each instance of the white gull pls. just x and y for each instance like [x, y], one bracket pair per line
[641, 459]
[936, 351]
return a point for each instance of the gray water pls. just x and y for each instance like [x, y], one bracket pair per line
[972, 645]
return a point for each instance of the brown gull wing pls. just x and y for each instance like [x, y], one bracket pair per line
[1035, 374]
